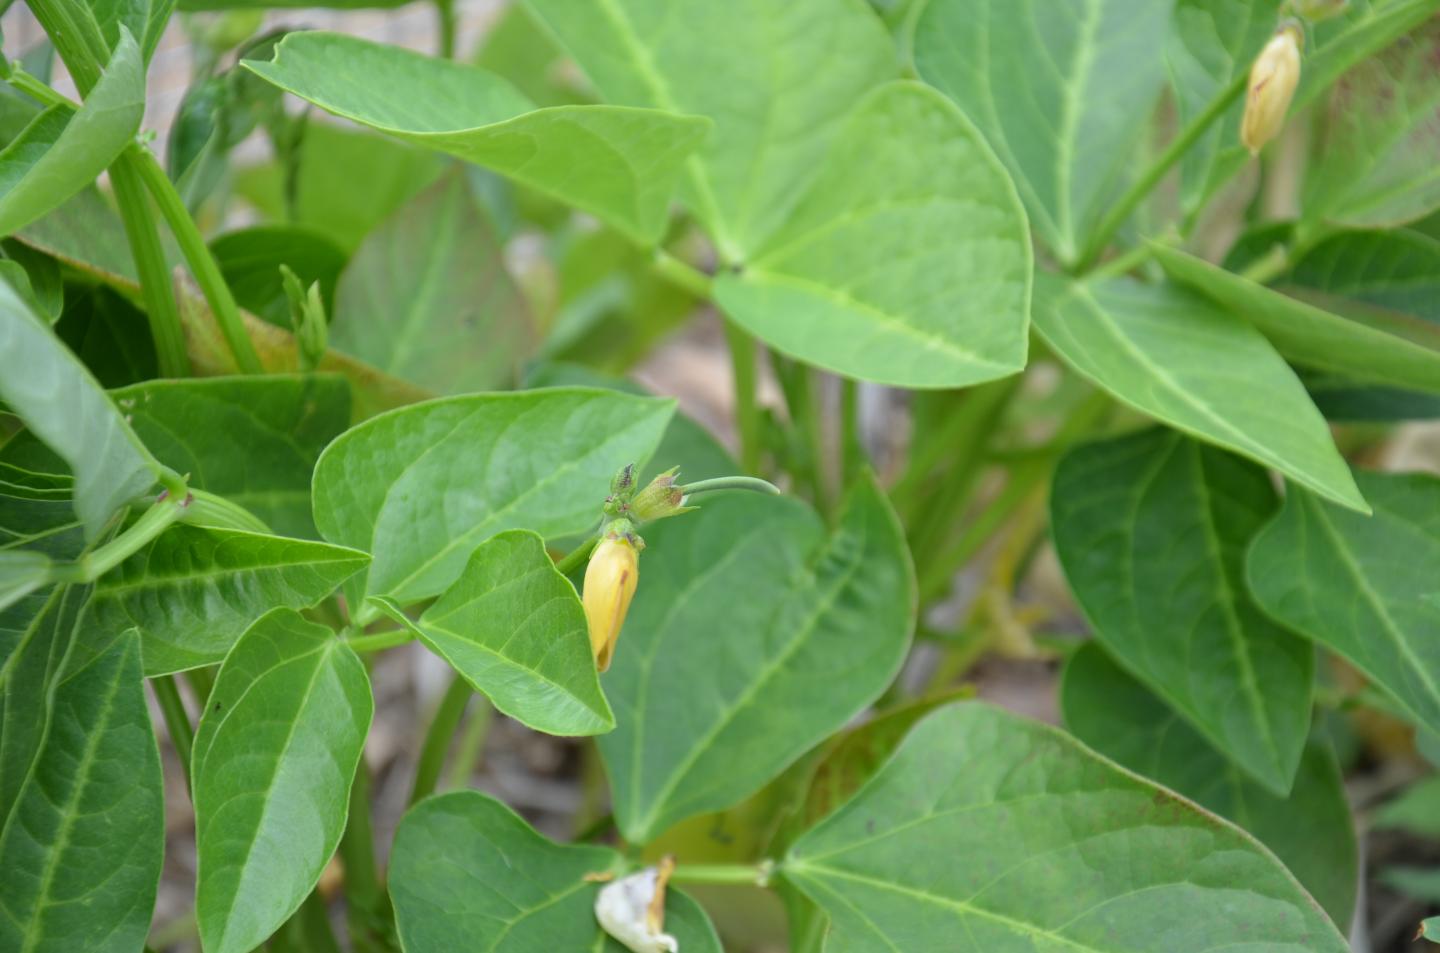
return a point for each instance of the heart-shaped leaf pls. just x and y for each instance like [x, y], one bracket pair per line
[1311, 830]
[513, 628]
[908, 262]
[422, 486]
[1362, 586]
[273, 760]
[631, 158]
[83, 841]
[943, 844]
[1173, 354]
[504, 888]
[1062, 91]
[752, 637]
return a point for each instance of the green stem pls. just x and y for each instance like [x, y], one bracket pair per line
[730, 483]
[156, 286]
[852, 446]
[33, 87]
[380, 640]
[445, 9]
[755, 875]
[747, 407]
[437, 739]
[97, 563]
[202, 262]
[357, 848]
[1142, 186]
[177, 720]
[682, 275]
[469, 748]
[797, 384]
[577, 557]
[307, 930]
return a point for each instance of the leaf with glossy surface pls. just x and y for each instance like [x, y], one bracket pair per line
[80, 854]
[193, 591]
[778, 89]
[427, 297]
[274, 756]
[504, 888]
[941, 845]
[421, 487]
[632, 157]
[1363, 587]
[908, 262]
[252, 440]
[1172, 354]
[63, 151]
[1151, 530]
[1310, 335]
[513, 628]
[1376, 155]
[752, 637]
[1310, 830]
[1062, 91]
[63, 405]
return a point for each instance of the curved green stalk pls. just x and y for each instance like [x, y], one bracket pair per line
[156, 287]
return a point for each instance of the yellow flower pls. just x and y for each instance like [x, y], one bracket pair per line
[1273, 79]
[610, 581]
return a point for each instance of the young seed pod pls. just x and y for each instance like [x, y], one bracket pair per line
[1273, 79]
[610, 581]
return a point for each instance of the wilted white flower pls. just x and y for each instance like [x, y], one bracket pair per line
[632, 910]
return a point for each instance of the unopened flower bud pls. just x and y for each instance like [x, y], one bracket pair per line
[610, 581]
[660, 499]
[632, 910]
[1273, 79]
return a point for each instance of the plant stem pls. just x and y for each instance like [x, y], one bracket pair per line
[437, 739]
[380, 640]
[307, 930]
[731, 483]
[852, 446]
[577, 557]
[747, 408]
[682, 275]
[95, 564]
[33, 87]
[357, 848]
[755, 875]
[177, 720]
[445, 9]
[797, 384]
[468, 749]
[1142, 186]
[156, 286]
[202, 262]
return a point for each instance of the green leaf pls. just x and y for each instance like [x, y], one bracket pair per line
[274, 756]
[1310, 830]
[63, 405]
[81, 851]
[753, 637]
[62, 152]
[22, 571]
[1311, 336]
[1429, 930]
[252, 440]
[908, 262]
[632, 158]
[1170, 353]
[943, 843]
[250, 260]
[419, 488]
[193, 591]
[428, 298]
[1375, 157]
[504, 888]
[778, 89]
[194, 5]
[1062, 91]
[1362, 587]
[1394, 270]
[1151, 529]
[36, 277]
[1416, 810]
[1211, 45]
[513, 628]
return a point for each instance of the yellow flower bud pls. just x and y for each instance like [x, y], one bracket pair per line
[1273, 79]
[610, 581]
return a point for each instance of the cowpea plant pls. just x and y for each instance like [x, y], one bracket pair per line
[1143, 284]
